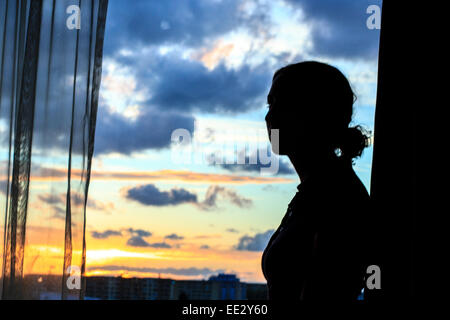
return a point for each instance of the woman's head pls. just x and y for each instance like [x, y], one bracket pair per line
[311, 104]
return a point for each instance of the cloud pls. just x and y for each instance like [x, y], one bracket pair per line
[137, 241]
[256, 243]
[188, 22]
[139, 232]
[232, 196]
[99, 205]
[208, 236]
[269, 188]
[56, 200]
[105, 234]
[136, 237]
[205, 247]
[212, 57]
[193, 271]
[131, 231]
[284, 167]
[57, 203]
[190, 86]
[151, 196]
[174, 82]
[152, 129]
[174, 236]
[51, 198]
[115, 132]
[178, 84]
[161, 245]
[339, 27]
[59, 213]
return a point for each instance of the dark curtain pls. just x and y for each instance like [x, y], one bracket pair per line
[394, 169]
[49, 87]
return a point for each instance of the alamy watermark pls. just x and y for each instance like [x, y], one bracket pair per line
[374, 20]
[373, 281]
[249, 148]
[74, 19]
[73, 281]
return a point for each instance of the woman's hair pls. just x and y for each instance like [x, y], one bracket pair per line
[321, 94]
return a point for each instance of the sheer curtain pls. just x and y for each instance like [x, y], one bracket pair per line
[50, 70]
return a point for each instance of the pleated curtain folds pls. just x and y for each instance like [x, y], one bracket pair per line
[50, 72]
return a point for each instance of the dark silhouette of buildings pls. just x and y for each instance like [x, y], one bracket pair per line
[220, 287]
[119, 288]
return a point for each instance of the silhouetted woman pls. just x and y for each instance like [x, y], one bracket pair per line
[318, 251]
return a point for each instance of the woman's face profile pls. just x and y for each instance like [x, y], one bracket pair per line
[273, 117]
[278, 119]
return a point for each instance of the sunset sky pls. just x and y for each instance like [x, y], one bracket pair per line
[204, 66]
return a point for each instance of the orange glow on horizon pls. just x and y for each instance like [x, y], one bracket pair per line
[47, 174]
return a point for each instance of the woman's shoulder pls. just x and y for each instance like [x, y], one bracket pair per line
[335, 188]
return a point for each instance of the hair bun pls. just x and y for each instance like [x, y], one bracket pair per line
[354, 141]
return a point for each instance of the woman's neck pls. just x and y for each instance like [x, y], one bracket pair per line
[307, 164]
